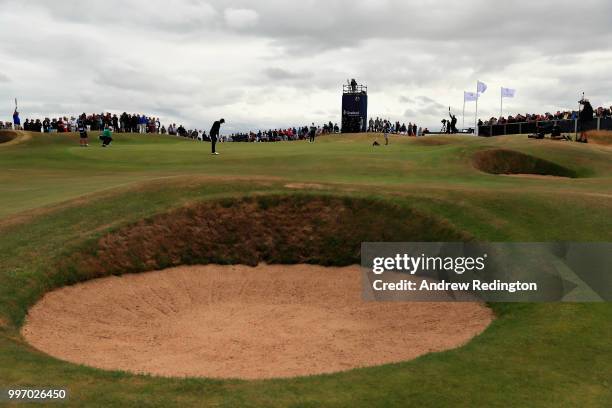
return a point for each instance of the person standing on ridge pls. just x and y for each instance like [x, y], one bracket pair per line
[214, 134]
[82, 129]
[312, 133]
[386, 130]
[585, 118]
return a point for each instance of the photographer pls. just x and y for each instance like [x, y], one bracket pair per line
[584, 120]
[453, 123]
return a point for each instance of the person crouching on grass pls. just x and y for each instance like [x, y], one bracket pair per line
[106, 136]
[214, 134]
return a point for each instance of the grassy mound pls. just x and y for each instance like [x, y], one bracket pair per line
[503, 161]
[273, 229]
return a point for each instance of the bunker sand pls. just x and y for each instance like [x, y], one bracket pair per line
[242, 322]
[11, 138]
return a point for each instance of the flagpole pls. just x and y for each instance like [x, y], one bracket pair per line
[501, 98]
[476, 117]
[463, 124]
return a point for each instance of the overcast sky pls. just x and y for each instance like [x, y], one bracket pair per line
[278, 63]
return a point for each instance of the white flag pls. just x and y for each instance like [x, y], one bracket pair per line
[470, 96]
[482, 87]
[508, 93]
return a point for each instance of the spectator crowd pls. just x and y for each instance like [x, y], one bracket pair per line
[270, 135]
[124, 123]
[140, 123]
[379, 125]
[600, 112]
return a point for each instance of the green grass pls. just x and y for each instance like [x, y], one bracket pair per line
[56, 198]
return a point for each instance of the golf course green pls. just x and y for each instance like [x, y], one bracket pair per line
[60, 205]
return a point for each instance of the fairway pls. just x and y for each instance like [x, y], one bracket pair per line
[69, 215]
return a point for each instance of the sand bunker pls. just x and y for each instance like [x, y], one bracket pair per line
[242, 322]
[503, 161]
[10, 137]
[7, 136]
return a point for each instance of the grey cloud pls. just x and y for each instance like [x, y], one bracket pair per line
[426, 109]
[425, 99]
[485, 24]
[138, 80]
[177, 16]
[4, 78]
[281, 74]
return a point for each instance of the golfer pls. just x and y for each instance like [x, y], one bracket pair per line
[214, 134]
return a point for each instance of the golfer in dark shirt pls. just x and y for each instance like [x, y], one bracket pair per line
[214, 134]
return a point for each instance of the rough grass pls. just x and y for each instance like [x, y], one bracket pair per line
[602, 137]
[503, 161]
[323, 230]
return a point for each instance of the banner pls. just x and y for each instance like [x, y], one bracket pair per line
[470, 96]
[482, 87]
[508, 93]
